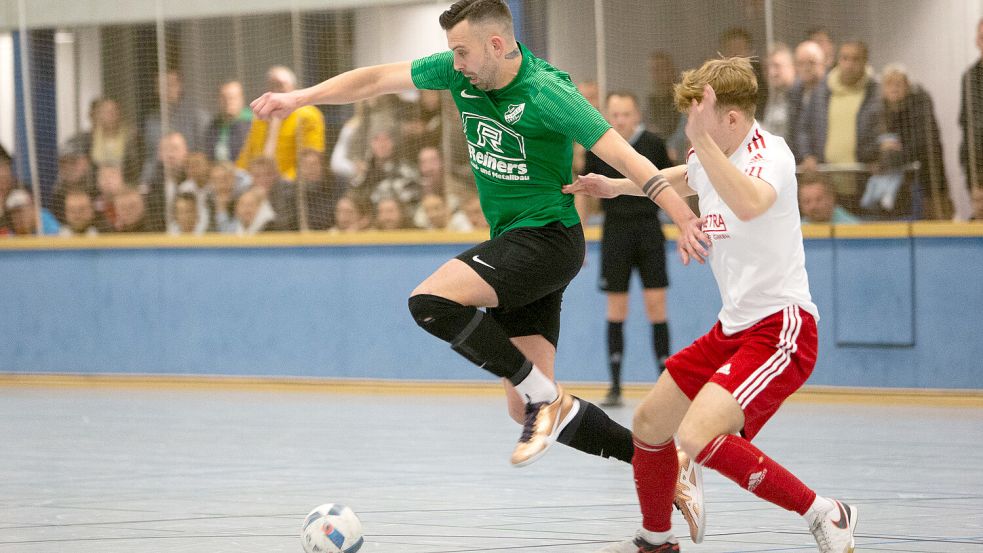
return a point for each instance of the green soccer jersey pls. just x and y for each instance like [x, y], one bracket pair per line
[520, 138]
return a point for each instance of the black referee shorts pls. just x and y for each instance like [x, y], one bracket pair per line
[627, 243]
[529, 268]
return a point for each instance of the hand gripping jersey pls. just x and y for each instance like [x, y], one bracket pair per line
[520, 138]
[759, 264]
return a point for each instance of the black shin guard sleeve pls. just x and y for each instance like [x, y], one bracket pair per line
[593, 432]
[471, 333]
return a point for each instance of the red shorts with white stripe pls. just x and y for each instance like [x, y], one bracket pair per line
[761, 365]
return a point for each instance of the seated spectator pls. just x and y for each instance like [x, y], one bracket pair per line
[781, 77]
[109, 183]
[280, 193]
[253, 213]
[8, 183]
[420, 123]
[971, 117]
[824, 39]
[846, 117]
[197, 171]
[184, 117]
[810, 72]
[348, 155]
[130, 212]
[817, 201]
[910, 134]
[440, 217]
[471, 207]
[111, 140]
[352, 213]
[282, 139]
[186, 219]
[74, 173]
[164, 181]
[319, 193]
[434, 179]
[663, 118]
[220, 194]
[387, 175]
[227, 132]
[737, 41]
[80, 216]
[22, 217]
[389, 215]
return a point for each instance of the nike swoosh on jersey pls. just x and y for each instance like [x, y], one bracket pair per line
[476, 260]
[464, 94]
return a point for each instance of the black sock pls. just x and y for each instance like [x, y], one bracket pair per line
[616, 348]
[660, 343]
[593, 432]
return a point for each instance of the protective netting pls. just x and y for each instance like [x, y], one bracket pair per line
[131, 122]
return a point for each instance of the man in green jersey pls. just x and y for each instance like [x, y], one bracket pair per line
[520, 116]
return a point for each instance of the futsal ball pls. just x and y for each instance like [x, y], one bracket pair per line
[332, 528]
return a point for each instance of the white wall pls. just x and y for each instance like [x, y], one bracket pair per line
[398, 33]
[66, 13]
[7, 122]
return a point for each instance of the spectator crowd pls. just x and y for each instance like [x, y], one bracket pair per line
[867, 144]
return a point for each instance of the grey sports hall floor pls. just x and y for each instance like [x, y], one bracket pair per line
[111, 469]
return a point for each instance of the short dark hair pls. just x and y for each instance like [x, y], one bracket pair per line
[815, 177]
[625, 94]
[736, 32]
[475, 11]
[859, 44]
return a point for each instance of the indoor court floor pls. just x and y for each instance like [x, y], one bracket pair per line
[211, 470]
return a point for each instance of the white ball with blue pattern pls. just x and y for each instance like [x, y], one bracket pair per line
[332, 528]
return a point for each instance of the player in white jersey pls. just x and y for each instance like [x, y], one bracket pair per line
[717, 393]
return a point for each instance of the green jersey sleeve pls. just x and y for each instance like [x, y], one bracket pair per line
[567, 112]
[433, 72]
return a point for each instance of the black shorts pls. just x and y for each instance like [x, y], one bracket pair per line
[529, 268]
[629, 243]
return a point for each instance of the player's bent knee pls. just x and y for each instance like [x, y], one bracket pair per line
[647, 426]
[439, 316]
[692, 443]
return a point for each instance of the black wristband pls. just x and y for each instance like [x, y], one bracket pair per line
[651, 182]
[655, 186]
[659, 190]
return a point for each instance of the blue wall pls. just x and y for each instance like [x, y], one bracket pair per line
[895, 313]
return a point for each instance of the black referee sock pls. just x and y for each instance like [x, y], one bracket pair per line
[616, 348]
[593, 432]
[660, 343]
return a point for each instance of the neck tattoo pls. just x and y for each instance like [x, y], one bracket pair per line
[512, 55]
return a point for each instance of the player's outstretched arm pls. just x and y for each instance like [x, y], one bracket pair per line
[346, 88]
[617, 153]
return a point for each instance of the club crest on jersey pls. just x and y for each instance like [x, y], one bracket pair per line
[514, 112]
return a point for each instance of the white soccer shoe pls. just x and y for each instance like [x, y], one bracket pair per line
[834, 530]
[639, 545]
[689, 496]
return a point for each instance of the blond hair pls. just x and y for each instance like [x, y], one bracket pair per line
[733, 82]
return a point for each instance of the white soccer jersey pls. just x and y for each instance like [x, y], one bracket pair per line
[759, 264]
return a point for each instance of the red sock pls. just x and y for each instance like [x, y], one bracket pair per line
[656, 468]
[737, 459]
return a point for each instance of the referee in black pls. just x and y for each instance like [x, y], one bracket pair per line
[632, 238]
